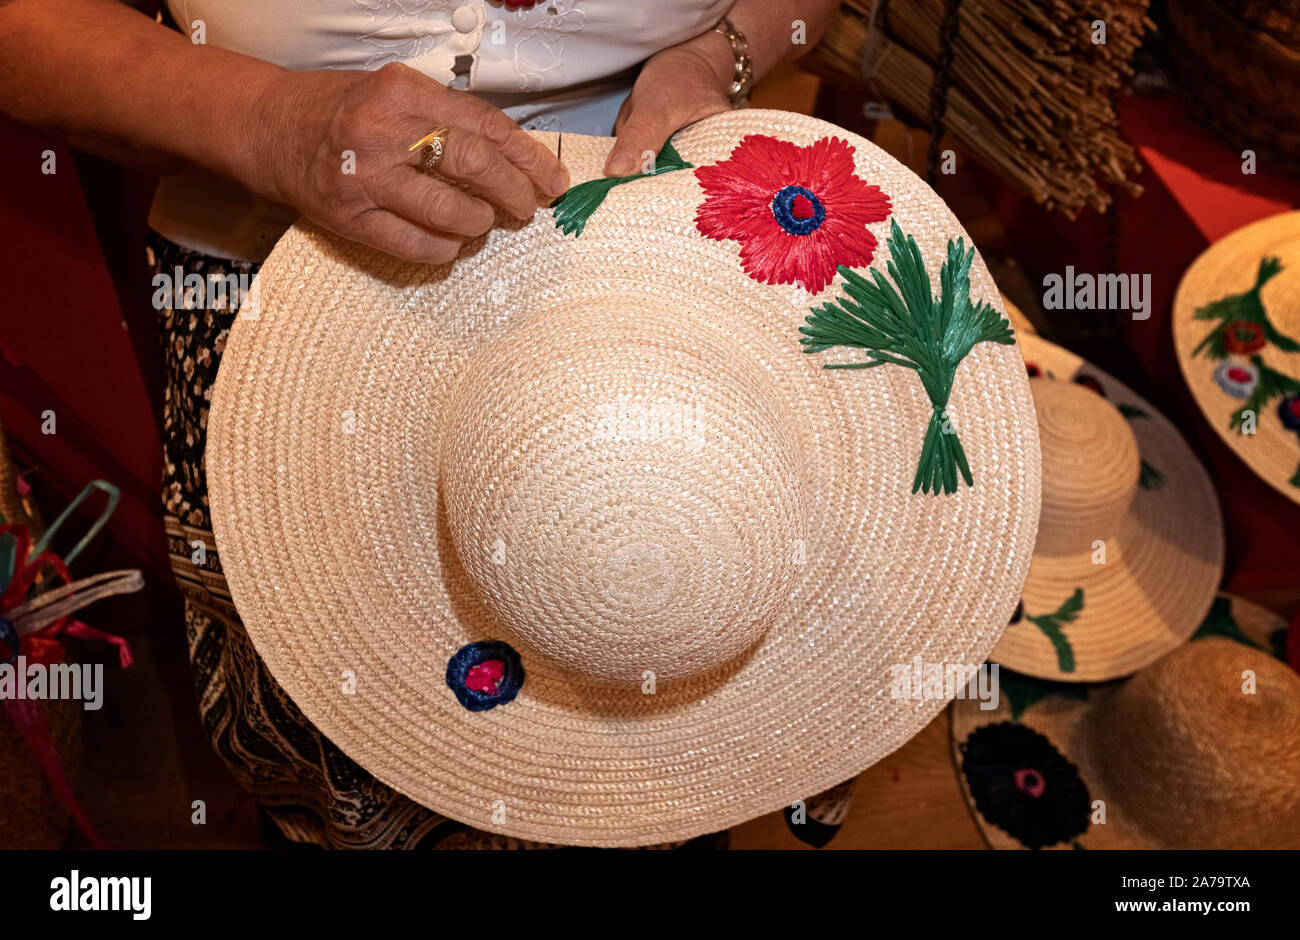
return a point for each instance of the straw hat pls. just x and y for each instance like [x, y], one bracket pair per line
[1130, 542]
[571, 540]
[1236, 329]
[1199, 751]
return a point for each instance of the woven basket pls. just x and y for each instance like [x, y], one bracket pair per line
[30, 816]
[1242, 81]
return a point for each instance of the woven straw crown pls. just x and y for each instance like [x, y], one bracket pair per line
[625, 504]
[605, 452]
[1203, 749]
[1090, 468]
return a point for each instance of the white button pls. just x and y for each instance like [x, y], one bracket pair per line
[464, 19]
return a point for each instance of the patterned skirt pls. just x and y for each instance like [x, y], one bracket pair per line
[306, 785]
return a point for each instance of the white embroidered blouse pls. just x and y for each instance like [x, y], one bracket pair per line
[559, 65]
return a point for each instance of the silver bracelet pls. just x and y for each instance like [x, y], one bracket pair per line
[744, 73]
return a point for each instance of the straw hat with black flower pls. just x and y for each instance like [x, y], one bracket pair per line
[1237, 338]
[1130, 543]
[612, 531]
[1200, 750]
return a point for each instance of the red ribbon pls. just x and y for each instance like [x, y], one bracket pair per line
[44, 647]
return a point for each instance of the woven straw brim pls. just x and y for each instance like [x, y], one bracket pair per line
[1066, 723]
[1162, 568]
[340, 561]
[1229, 267]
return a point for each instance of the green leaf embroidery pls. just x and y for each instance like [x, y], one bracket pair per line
[1023, 691]
[1053, 625]
[1149, 478]
[1131, 411]
[1245, 306]
[909, 327]
[575, 207]
[1220, 622]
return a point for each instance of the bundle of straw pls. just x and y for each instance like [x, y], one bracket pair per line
[1029, 93]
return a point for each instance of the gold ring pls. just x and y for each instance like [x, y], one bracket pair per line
[433, 143]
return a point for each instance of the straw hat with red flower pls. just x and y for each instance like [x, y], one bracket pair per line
[609, 555]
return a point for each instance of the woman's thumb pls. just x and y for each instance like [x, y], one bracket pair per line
[639, 142]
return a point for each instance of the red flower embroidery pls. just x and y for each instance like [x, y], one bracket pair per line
[798, 212]
[1243, 337]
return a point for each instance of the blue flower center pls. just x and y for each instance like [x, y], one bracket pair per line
[798, 211]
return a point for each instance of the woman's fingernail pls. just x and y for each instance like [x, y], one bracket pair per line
[620, 164]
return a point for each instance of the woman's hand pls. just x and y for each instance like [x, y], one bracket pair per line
[307, 121]
[676, 87]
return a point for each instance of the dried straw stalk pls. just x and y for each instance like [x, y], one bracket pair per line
[1031, 94]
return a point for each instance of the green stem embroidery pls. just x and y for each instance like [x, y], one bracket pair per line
[909, 327]
[1053, 626]
[1245, 306]
[575, 207]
